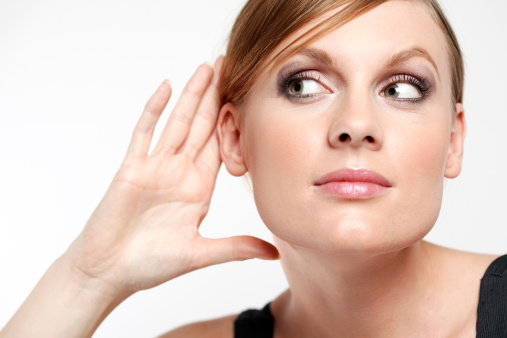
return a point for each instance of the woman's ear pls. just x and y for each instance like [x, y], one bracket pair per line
[229, 140]
[455, 154]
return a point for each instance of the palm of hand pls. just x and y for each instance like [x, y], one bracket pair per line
[168, 196]
[145, 230]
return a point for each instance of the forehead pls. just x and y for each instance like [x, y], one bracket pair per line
[380, 33]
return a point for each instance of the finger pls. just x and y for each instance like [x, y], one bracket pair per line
[208, 159]
[206, 116]
[143, 132]
[178, 125]
[238, 248]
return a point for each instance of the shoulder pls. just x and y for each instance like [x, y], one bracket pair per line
[498, 268]
[492, 307]
[462, 263]
[459, 277]
[215, 328]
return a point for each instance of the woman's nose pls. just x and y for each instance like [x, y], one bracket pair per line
[356, 126]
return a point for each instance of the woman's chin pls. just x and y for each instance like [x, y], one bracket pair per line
[351, 237]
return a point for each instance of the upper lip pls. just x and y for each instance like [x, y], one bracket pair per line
[354, 175]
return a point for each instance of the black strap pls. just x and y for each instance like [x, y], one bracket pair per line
[492, 309]
[254, 324]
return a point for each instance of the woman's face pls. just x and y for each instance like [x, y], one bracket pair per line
[371, 97]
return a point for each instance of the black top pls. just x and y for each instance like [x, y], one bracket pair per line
[491, 312]
[254, 324]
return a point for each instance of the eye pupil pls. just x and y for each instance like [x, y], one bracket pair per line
[297, 87]
[403, 91]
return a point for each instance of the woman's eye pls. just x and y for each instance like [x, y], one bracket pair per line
[306, 87]
[402, 91]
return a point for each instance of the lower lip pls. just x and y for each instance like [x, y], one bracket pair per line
[353, 190]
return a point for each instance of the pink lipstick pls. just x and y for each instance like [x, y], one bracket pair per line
[353, 183]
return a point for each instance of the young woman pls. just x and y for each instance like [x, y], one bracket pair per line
[347, 116]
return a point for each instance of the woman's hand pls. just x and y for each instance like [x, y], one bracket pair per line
[144, 232]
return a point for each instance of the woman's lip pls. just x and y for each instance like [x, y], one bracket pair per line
[353, 183]
[354, 175]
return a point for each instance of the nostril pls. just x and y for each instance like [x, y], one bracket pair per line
[344, 137]
[369, 139]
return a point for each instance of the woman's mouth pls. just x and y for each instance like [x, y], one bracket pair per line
[353, 183]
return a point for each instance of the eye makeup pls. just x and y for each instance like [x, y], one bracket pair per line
[297, 75]
[422, 84]
[305, 80]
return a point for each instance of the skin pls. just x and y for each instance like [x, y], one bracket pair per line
[413, 145]
[376, 275]
[145, 231]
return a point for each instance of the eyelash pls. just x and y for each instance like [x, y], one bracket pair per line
[419, 82]
[287, 81]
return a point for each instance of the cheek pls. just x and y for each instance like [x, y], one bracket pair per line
[280, 157]
[421, 160]
[283, 156]
[421, 153]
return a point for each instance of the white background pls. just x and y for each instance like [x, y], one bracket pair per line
[74, 77]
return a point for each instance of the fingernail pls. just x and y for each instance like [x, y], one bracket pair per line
[209, 64]
[270, 256]
[168, 82]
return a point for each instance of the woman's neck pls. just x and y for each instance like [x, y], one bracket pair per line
[361, 296]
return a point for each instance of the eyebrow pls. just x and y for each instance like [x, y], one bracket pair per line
[321, 56]
[406, 54]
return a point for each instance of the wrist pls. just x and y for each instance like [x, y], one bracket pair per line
[64, 303]
[92, 298]
[84, 283]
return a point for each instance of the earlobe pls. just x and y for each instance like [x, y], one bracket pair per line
[455, 154]
[229, 139]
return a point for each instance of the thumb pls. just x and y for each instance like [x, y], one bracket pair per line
[237, 248]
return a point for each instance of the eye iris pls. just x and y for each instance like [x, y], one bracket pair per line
[297, 87]
[391, 91]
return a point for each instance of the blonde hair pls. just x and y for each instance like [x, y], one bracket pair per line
[263, 24]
